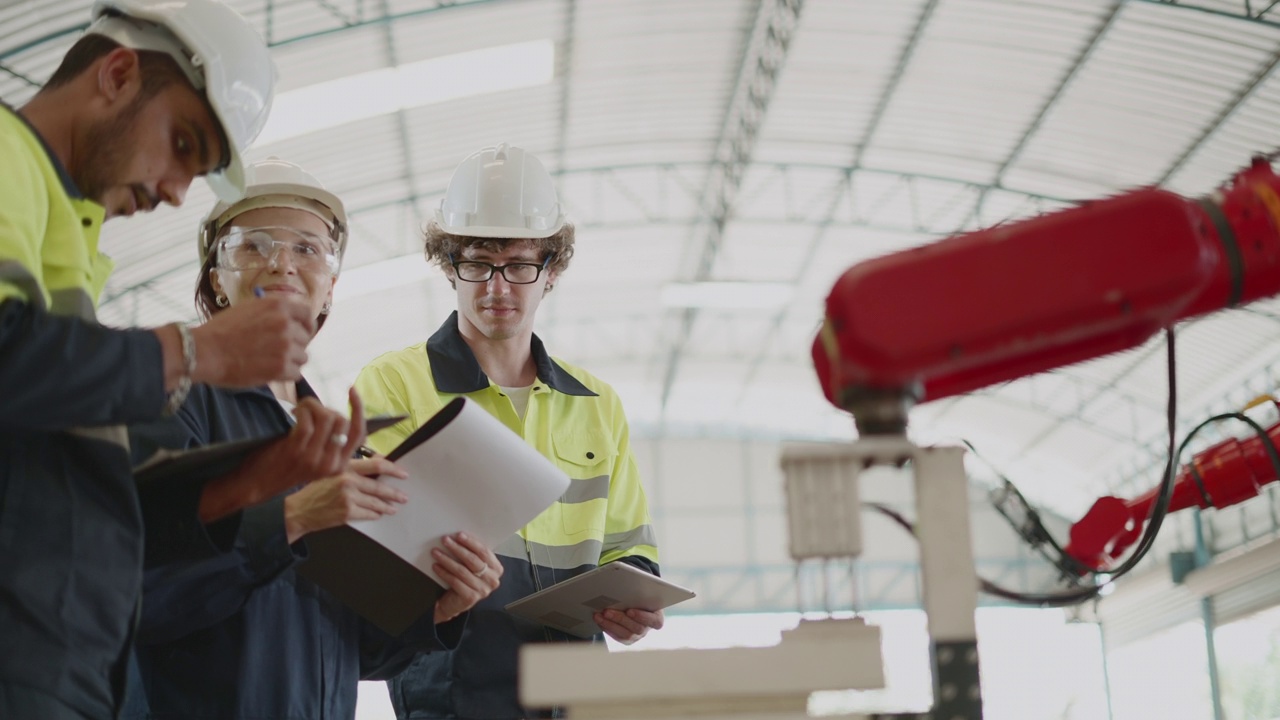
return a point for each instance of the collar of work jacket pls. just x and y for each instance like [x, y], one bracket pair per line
[456, 370]
[302, 386]
[68, 185]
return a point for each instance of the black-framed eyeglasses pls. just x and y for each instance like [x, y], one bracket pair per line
[517, 273]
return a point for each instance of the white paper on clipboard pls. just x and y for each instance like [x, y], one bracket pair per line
[467, 473]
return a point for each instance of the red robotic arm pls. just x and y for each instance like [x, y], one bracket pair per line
[1230, 472]
[1006, 302]
[1017, 299]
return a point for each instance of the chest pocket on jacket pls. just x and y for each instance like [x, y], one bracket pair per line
[67, 257]
[587, 457]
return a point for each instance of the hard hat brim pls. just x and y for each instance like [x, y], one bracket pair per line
[504, 233]
[228, 183]
[456, 224]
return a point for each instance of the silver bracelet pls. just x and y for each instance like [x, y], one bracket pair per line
[183, 388]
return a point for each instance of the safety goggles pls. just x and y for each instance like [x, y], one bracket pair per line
[253, 248]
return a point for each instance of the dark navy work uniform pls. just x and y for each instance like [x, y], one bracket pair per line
[240, 634]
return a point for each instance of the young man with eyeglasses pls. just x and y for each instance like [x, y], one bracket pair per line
[502, 241]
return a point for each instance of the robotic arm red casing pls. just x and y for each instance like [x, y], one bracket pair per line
[1230, 472]
[1013, 300]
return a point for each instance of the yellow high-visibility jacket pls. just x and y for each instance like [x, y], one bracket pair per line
[71, 540]
[575, 420]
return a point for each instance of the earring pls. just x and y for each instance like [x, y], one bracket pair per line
[326, 308]
[221, 300]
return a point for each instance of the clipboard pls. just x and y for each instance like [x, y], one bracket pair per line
[569, 606]
[467, 472]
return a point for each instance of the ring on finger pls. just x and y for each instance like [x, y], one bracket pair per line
[482, 571]
[338, 439]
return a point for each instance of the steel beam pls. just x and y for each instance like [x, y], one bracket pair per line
[1268, 14]
[409, 174]
[846, 182]
[1059, 90]
[764, 54]
[1264, 14]
[1242, 96]
[1106, 390]
[71, 31]
[564, 72]
[10, 71]
[336, 13]
[653, 210]
[894, 81]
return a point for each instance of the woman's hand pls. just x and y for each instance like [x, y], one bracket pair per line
[471, 570]
[352, 495]
[320, 445]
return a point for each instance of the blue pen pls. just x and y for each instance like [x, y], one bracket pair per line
[259, 292]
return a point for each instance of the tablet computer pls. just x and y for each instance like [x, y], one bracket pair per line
[211, 461]
[568, 606]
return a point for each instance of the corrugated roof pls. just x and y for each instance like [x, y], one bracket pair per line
[889, 123]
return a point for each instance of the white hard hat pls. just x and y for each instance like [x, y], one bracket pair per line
[220, 53]
[276, 183]
[500, 192]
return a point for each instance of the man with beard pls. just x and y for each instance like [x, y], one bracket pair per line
[502, 241]
[156, 93]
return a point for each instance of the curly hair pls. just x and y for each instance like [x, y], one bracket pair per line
[440, 245]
